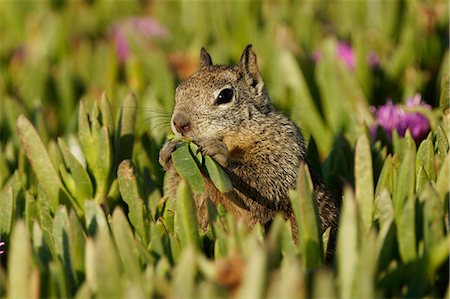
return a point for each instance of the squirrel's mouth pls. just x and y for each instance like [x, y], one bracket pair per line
[188, 135]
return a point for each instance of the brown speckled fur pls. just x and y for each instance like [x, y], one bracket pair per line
[263, 148]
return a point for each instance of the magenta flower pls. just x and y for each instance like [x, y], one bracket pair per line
[346, 54]
[373, 60]
[344, 51]
[137, 30]
[392, 117]
[1, 245]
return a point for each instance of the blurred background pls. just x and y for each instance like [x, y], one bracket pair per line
[354, 75]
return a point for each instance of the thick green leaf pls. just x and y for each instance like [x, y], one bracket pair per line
[128, 251]
[187, 168]
[421, 180]
[425, 158]
[443, 178]
[194, 149]
[364, 284]
[406, 230]
[290, 283]
[347, 245]
[131, 194]
[186, 217]
[442, 143]
[184, 274]
[385, 180]
[308, 222]
[405, 185]
[95, 142]
[386, 236]
[19, 262]
[444, 99]
[61, 233]
[433, 217]
[107, 117]
[46, 221]
[83, 188]
[324, 285]
[254, 281]
[94, 217]
[364, 181]
[218, 176]
[77, 244]
[105, 265]
[58, 283]
[6, 211]
[125, 132]
[40, 161]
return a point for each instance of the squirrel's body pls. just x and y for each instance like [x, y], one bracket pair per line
[227, 112]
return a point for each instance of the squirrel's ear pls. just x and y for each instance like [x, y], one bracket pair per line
[249, 65]
[205, 58]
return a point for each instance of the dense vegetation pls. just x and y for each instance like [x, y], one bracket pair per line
[86, 91]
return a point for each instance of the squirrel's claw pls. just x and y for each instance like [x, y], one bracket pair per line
[165, 154]
[216, 149]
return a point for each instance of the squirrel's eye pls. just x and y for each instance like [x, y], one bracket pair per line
[225, 96]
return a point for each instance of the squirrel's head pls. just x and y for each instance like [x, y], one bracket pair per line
[214, 101]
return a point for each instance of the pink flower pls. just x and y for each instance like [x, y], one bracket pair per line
[373, 60]
[1, 245]
[392, 117]
[136, 29]
[345, 53]
[316, 56]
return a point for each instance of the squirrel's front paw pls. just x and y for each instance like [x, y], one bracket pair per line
[165, 154]
[216, 149]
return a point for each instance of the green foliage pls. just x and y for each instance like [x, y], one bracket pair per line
[82, 208]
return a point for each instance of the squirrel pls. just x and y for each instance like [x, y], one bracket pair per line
[227, 112]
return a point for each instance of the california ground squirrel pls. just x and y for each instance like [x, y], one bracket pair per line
[226, 110]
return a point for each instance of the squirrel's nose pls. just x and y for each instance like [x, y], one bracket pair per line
[181, 123]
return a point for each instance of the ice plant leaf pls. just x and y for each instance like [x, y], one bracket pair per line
[347, 245]
[95, 142]
[193, 148]
[107, 117]
[444, 99]
[386, 236]
[131, 194]
[406, 229]
[127, 249]
[218, 176]
[186, 219]
[19, 262]
[106, 267]
[308, 222]
[187, 168]
[364, 284]
[385, 178]
[405, 185]
[254, 281]
[184, 274]
[442, 144]
[432, 219]
[61, 232]
[443, 178]
[364, 181]
[6, 210]
[425, 157]
[83, 189]
[40, 161]
[127, 122]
